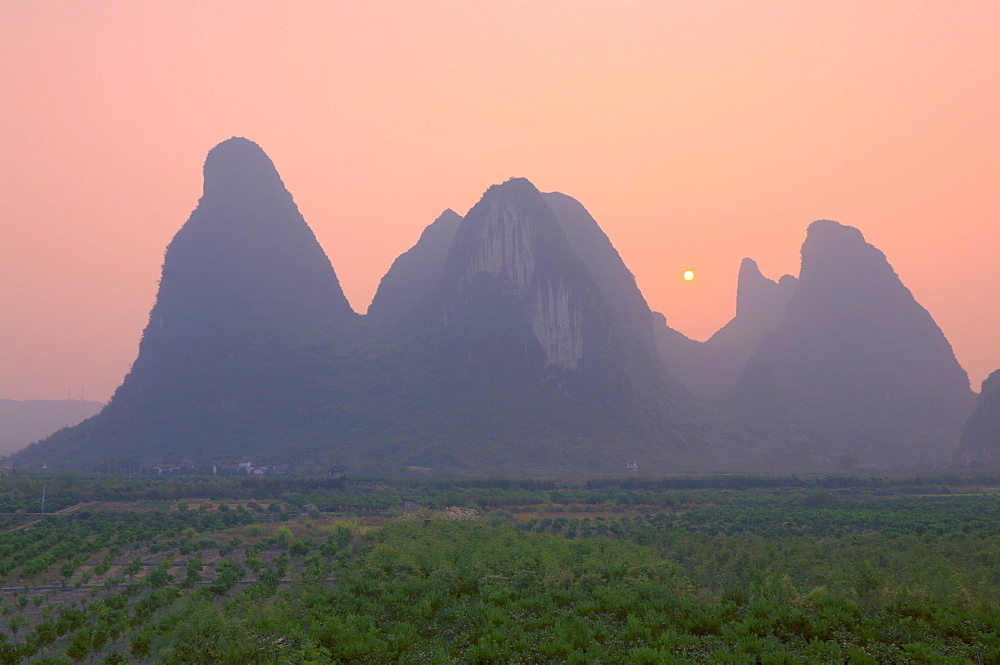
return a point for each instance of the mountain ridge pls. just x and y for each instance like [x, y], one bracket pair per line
[858, 369]
[515, 340]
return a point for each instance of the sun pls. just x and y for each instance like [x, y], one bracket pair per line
[688, 275]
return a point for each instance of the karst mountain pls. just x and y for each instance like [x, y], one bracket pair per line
[490, 347]
[240, 355]
[416, 272]
[856, 370]
[709, 368]
[513, 340]
[980, 442]
[526, 360]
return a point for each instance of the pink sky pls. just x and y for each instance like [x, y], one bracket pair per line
[696, 133]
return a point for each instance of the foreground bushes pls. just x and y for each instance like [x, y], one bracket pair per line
[461, 592]
[786, 575]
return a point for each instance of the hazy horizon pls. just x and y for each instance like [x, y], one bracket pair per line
[695, 134]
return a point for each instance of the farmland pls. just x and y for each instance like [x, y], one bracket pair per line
[711, 569]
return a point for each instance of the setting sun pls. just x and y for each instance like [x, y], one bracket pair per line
[688, 275]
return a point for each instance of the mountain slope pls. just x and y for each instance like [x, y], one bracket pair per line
[530, 357]
[242, 341]
[611, 276]
[857, 370]
[980, 442]
[23, 422]
[416, 272]
[709, 368]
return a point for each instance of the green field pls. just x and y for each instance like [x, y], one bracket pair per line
[728, 569]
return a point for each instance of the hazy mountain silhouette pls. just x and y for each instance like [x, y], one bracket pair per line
[686, 360]
[613, 279]
[491, 348]
[242, 341]
[416, 272]
[857, 370]
[709, 368]
[980, 442]
[511, 341]
[26, 421]
[761, 304]
[527, 356]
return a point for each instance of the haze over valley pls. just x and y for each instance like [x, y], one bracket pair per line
[527, 236]
[696, 134]
[521, 332]
[513, 340]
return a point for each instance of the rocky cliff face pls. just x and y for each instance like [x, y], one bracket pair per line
[416, 272]
[622, 298]
[980, 442]
[527, 349]
[512, 237]
[857, 364]
[557, 321]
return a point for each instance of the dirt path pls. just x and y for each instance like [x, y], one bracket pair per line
[65, 511]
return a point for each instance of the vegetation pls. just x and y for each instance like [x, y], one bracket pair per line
[494, 570]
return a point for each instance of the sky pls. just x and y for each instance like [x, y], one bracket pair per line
[695, 132]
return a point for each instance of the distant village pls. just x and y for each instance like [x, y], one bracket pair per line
[241, 467]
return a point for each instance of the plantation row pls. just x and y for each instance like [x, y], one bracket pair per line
[340, 572]
[91, 585]
[781, 516]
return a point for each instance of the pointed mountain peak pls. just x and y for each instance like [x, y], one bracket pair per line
[751, 286]
[831, 231]
[749, 269]
[859, 360]
[835, 254]
[504, 231]
[511, 240]
[711, 368]
[512, 187]
[235, 150]
[246, 245]
[444, 226]
[236, 355]
[448, 218]
[756, 293]
[417, 271]
[516, 184]
[239, 169]
[827, 237]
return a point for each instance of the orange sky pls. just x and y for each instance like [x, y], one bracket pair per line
[695, 132]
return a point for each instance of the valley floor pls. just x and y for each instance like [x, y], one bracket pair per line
[391, 571]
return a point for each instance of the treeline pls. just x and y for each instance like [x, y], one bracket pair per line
[22, 492]
[904, 484]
